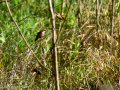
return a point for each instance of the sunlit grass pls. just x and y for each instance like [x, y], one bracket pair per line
[92, 65]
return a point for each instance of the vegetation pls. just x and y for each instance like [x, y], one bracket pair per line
[88, 45]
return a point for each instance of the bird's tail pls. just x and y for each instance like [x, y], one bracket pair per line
[36, 39]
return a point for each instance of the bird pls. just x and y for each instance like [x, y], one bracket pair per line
[36, 71]
[59, 16]
[40, 34]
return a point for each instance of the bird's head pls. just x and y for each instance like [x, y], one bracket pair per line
[43, 31]
[57, 13]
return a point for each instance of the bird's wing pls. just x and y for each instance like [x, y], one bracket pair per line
[37, 36]
[59, 17]
[63, 17]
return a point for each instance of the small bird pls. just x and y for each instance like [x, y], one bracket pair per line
[36, 72]
[40, 34]
[59, 16]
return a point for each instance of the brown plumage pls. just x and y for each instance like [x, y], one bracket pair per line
[40, 34]
[59, 16]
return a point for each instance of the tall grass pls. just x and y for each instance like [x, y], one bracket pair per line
[92, 66]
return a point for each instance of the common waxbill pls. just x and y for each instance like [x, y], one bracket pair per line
[40, 34]
[59, 16]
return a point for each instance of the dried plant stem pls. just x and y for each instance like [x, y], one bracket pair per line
[112, 23]
[54, 47]
[61, 14]
[79, 12]
[112, 18]
[63, 22]
[97, 16]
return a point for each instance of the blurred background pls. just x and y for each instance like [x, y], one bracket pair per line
[88, 46]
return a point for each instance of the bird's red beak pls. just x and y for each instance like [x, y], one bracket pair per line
[44, 30]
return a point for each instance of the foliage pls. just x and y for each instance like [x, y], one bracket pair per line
[94, 63]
